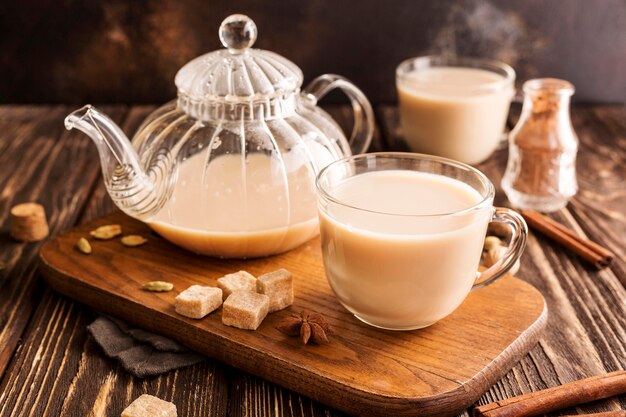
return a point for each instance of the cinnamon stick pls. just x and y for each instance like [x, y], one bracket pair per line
[585, 248]
[567, 395]
[614, 413]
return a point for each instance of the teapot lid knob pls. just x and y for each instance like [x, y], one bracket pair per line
[237, 33]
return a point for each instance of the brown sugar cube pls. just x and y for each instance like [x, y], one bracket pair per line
[149, 406]
[28, 222]
[238, 281]
[245, 309]
[198, 301]
[278, 286]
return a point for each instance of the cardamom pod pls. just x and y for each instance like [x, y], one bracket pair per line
[493, 250]
[491, 242]
[133, 240]
[83, 245]
[157, 286]
[107, 232]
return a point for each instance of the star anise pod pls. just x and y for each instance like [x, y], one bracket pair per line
[310, 327]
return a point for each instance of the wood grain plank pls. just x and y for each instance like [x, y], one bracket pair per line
[592, 301]
[41, 157]
[599, 206]
[42, 363]
[44, 163]
[586, 326]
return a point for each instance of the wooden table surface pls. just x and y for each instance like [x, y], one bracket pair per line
[49, 365]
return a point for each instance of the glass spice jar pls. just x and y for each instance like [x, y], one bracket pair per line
[541, 170]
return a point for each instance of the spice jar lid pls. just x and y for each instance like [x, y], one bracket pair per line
[239, 73]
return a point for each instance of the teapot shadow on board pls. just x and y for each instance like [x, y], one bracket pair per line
[228, 169]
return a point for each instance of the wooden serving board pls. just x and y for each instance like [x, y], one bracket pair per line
[439, 370]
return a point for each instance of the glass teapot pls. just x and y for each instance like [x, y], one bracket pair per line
[228, 169]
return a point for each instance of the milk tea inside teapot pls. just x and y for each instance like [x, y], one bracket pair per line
[228, 169]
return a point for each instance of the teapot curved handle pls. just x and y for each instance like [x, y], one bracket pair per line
[363, 129]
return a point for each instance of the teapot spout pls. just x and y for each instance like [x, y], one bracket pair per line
[131, 189]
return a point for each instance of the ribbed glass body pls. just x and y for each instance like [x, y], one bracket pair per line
[252, 175]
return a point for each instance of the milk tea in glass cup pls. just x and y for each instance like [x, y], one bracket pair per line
[454, 107]
[402, 235]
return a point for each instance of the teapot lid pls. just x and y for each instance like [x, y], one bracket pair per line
[238, 74]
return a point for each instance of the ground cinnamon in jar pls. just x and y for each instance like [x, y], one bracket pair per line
[541, 171]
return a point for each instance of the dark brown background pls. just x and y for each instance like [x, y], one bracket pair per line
[128, 51]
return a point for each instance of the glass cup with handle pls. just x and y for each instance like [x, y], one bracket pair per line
[402, 235]
[454, 107]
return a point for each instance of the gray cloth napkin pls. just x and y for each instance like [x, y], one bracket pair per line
[140, 352]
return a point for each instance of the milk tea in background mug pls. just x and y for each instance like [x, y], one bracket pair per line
[454, 107]
[402, 236]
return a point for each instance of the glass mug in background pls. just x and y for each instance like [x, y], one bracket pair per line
[402, 235]
[454, 107]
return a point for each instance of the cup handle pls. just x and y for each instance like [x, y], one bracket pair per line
[519, 231]
[363, 129]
